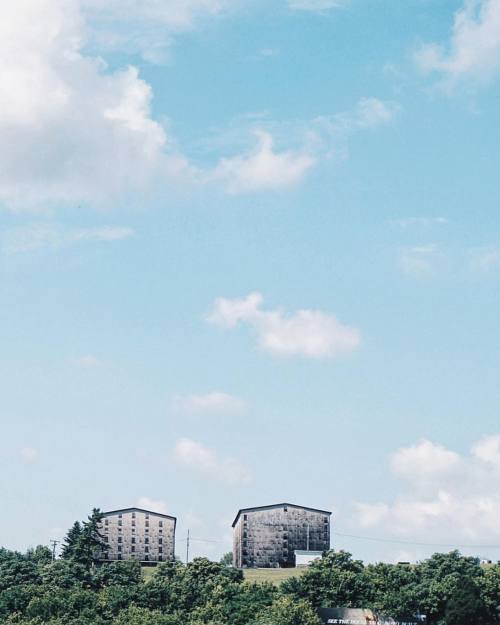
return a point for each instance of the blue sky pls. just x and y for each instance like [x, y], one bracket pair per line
[249, 253]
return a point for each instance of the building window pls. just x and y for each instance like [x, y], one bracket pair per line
[160, 541]
[119, 547]
[133, 540]
[132, 549]
[106, 521]
[147, 515]
[120, 556]
[106, 539]
[120, 522]
[133, 523]
[146, 557]
[119, 539]
[245, 517]
[286, 509]
[133, 515]
[147, 524]
[146, 549]
[106, 556]
[119, 516]
[160, 549]
[160, 530]
[146, 540]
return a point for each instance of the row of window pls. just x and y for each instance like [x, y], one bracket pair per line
[120, 522]
[146, 557]
[132, 549]
[132, 540]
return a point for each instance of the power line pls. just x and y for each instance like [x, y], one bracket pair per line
[54, 544]
[414, 542]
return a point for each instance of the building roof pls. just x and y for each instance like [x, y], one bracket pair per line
[122, 510]
[277, 505]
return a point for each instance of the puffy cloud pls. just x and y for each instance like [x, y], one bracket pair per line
[71, 129]
[215, 402]
[308, 333]
[448, 498]
[474, 47]
[42, 236]
[28, 455]
[263, 168]
[153, 505]
[424, 460]
[488, 450]
[194, 455]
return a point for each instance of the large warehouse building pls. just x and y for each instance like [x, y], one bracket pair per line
[268, 536]
[136, 534]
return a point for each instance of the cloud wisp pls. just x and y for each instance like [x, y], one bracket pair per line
[53, 236]
[215, 402]
[306, 333]
[196, 456]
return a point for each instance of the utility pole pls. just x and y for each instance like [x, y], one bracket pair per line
[54, 544]
[187, 548]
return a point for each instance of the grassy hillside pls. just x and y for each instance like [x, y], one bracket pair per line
[275, 576]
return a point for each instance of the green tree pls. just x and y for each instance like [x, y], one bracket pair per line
[335, 580]
[227, 559]
[90, 545]
[392, 589]
[466, 606]
[287, 611]
[71, 541]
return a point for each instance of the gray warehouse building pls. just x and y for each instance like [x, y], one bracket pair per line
[268, 536]
[137, 534]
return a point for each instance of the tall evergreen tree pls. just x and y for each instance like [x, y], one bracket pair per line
[71, 540]
[90, 545]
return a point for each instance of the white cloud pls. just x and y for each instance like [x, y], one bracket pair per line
[28, 455]
[316, 6]
[369, 113]
[448, 497]
[263, 168]
[87, 361]
[215, 402]
[308, 333]
[153, 505]
[474, 47]
[424, 460]
[194, 455]
[488, 450]
[421, 261]
[72, 131]
[425, 222]
[146, 27]
[53, 236]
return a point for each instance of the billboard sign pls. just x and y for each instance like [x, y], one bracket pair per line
[354, 616]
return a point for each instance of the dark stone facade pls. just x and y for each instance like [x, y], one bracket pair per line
[267, 536]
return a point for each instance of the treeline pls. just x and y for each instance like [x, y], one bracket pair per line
[35, 590]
